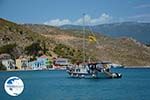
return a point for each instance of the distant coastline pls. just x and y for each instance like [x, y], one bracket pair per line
[136, 66]
[125, 67]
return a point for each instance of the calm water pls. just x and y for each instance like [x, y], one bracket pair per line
[57, 85]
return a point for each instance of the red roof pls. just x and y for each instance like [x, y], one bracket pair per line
[43, 56]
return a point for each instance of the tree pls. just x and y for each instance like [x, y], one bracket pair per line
[69, 52]
[33, 49]
[7, 48]
[44, 47]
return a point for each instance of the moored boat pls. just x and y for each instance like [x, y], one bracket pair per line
[92, 70]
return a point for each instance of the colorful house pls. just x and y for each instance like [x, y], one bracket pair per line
[41, 63]
[22, 63]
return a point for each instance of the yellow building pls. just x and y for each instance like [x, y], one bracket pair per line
[22, 63]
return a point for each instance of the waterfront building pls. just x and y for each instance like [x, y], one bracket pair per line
[7, 61]
[22, 63]
[41, 63]
[61, 63]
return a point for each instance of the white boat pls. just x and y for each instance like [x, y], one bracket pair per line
[116, 65]
[92, 70]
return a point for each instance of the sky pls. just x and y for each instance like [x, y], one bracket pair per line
[60, 12]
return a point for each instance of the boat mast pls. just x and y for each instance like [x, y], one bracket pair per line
[83, 38]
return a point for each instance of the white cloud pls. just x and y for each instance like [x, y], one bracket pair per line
[103, 18]
[87, 19]
[58, 22]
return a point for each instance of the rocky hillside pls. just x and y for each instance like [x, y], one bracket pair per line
[18, 36]
[68, 43]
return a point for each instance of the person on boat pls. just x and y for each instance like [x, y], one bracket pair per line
[106, 67]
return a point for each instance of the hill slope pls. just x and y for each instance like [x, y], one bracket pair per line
[68, 43]
[12, 33]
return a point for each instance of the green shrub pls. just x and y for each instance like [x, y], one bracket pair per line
[33, 49]
[68, 52]
[8, 48]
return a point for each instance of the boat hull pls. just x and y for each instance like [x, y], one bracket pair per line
[101, 75]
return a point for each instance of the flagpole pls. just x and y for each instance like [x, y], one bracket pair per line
[84, 38]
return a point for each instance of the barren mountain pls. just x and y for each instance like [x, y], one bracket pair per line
[69, 43]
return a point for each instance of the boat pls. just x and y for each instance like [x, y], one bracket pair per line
[113, 65]
[91, 70]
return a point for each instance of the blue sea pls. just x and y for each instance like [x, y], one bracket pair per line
[57, 85]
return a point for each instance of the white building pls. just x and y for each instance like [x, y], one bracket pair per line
[7, 61]
[9, 64]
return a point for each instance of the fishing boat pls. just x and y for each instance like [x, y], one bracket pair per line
[91, 70]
